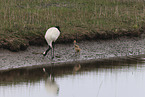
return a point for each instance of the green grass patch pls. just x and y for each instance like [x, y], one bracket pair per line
[29, 19]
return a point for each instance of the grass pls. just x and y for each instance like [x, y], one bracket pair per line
[24, 22]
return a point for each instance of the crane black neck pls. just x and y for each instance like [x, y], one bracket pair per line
[58, 28]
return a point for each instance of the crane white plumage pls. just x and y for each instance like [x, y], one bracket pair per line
[51, 36]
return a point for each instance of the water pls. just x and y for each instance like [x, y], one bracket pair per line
[119, 78]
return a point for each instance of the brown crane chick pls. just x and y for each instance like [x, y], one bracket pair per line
[77, 49]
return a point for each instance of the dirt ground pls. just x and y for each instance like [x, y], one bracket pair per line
[65, 53]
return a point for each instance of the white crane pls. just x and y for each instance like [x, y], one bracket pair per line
[51, 36]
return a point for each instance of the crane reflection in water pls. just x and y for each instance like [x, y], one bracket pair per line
[51, 86]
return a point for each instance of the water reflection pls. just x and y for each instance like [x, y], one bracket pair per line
[51, 86]
[76, 68]
[110, 78]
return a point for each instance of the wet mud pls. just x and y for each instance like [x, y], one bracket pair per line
[65, 54]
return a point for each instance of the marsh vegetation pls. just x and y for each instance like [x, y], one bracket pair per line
[24, 22]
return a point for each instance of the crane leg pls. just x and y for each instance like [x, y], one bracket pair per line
[53, 51]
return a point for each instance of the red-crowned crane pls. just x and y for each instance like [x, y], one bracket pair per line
[51, 36]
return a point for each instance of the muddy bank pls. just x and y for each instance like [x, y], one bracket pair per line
[65, 54]
[30, 72]
[17, 43]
